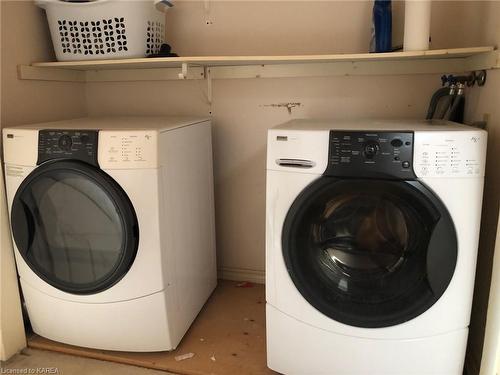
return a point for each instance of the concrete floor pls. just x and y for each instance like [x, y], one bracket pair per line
[44, 362]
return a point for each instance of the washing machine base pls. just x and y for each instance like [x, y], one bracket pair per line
[138, 325]
[294, 347]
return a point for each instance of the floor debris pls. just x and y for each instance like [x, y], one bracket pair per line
[212, 358]
[245, 284]
[182, 357]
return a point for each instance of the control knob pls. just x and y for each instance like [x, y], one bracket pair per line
[370, 149]
[65, 142]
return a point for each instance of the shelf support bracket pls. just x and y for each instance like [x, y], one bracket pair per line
[184, 71]
[208, 76]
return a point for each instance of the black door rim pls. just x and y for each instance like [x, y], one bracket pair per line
[121, 202]
[437, 264]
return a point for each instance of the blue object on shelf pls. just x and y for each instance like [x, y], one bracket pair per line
[381, 26]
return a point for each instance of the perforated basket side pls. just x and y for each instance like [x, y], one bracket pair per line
[100, 37]
[155, 36]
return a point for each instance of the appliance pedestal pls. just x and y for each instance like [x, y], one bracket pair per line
[294, 347]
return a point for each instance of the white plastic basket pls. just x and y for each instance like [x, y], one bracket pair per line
[105, 29]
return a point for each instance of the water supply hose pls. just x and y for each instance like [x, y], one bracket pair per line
[456, 112]
[436, 97]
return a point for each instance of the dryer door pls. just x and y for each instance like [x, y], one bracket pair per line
[369, 253]
[74, 226]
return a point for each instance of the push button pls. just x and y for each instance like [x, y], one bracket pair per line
[406, 164]
[396, 142]
[84, 139]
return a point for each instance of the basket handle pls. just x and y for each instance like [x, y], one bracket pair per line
[43, 3]
[163, 5]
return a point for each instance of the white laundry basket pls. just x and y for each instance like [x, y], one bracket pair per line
[105, 29]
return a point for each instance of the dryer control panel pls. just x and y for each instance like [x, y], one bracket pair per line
[380, 154]
[67, 144]
[130, 149]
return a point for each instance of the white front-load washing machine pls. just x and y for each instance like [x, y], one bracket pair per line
[372, 235]
[113, 227]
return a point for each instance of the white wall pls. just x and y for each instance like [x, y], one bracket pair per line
[25, 39]
[266, 27]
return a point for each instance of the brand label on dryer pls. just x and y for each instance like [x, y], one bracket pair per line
[14, 171]
[128, 149]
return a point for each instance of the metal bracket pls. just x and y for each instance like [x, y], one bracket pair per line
[474, 77]
[208, 76]
[184, 71]
[481, 77]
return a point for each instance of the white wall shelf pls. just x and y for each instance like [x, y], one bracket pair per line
[456, 60]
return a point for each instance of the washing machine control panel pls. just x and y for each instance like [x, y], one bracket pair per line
[67, 144]
[371, 154]
[450, 154]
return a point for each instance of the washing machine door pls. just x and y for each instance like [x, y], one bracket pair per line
[74, 226]
[369, 253]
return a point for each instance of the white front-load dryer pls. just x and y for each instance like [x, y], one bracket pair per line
[113, 227]
[372, 235]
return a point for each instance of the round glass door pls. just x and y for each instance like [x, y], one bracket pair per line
[75, 227]
[369, 253]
